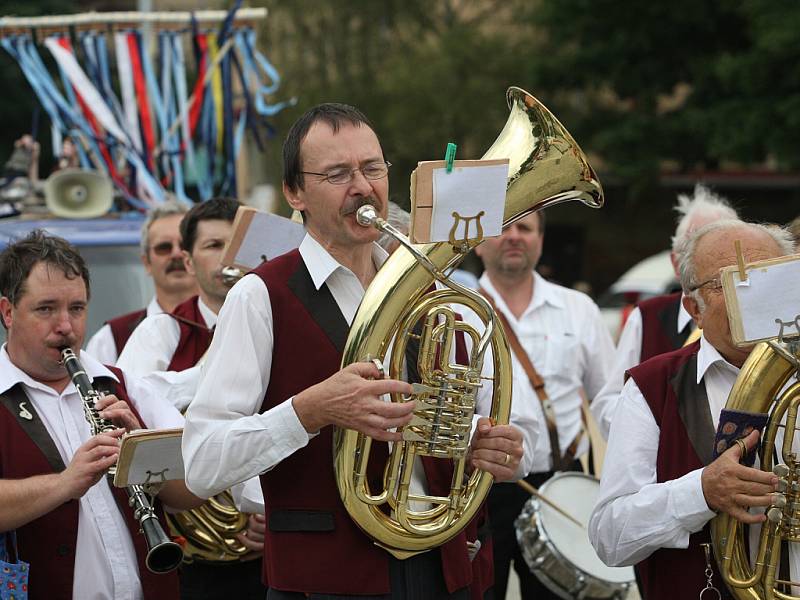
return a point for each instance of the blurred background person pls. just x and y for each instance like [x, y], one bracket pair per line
[560, 347]
[163, 260]
[660, 324]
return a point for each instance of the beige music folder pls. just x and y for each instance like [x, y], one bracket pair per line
[765, 304]
[149, 456]
[472, 187]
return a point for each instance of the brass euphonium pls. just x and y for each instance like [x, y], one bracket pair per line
[546, 168]
[760, 389]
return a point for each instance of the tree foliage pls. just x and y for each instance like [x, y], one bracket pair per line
[691, 84]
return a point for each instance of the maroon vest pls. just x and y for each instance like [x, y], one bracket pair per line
[660, 325]
[685, 443]
[312, 545]
[122, 327]
[48, 543]
[195, 335]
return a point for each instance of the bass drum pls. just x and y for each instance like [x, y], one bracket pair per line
[558, 552]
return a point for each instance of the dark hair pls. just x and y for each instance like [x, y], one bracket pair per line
[223, 209]
[20, 257]
[335, 115]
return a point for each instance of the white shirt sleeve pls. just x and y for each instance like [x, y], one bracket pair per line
[151, 346]
[635, 515]
[522, 417]
[102, 346]
[628, 354]
[598, 349]
[226, 440]
[156, 411]
[178, 387]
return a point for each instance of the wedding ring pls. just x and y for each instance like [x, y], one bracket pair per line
[742, 448]
[508, 458]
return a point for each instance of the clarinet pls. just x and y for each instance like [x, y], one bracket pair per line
[163, 555]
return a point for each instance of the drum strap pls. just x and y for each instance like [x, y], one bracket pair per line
[560, 463]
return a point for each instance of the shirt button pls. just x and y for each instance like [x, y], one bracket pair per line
[63, 550]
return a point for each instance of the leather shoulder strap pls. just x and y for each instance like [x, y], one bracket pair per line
[21, 408]
[537, 383]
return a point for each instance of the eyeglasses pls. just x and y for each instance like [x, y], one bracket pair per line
[715, 283]
[165, 248]
[374, 170]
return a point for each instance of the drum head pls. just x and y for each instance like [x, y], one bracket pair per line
[576, 494]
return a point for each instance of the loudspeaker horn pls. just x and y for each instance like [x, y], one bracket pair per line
[78, 194]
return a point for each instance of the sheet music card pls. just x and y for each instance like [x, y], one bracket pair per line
[149, 456]
[767, 298]
[259, 236]
[466, 203]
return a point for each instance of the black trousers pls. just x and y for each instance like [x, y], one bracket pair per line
[505, 503]
[417, 578]
[215, 581]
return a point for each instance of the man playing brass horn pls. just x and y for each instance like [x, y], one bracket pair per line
[660, 487]
[272, 387]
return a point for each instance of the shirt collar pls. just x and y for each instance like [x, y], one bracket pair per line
[684, 318]
[154, 308]
[709, 356]
[544, 292]
[209, 316]
[11, 375]
[321, 265]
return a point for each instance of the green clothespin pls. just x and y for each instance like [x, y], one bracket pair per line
[450, 156]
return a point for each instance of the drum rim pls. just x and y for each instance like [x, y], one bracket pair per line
[547, 539]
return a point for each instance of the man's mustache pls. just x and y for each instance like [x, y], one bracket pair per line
[176, 264]
[353, 205]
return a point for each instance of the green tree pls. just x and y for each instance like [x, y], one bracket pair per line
[698, 84]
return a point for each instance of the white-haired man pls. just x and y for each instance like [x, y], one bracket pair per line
[660, 324]
[660, 486]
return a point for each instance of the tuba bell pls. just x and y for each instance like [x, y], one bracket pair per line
[546, 168]
[760, 389]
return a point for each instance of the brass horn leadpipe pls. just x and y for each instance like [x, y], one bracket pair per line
[546, 167]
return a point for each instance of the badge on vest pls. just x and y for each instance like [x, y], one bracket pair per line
[24, 412]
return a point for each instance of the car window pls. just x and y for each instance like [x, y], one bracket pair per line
[119, 283]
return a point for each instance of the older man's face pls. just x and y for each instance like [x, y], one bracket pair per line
[714, 251]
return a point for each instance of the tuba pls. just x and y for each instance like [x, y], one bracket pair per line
[546, 168]
[759, 389]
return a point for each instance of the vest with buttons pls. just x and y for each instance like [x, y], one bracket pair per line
[48, 543]
[312, 545]
[679, 405]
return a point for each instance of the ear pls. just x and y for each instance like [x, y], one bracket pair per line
[691, 306]
[5, 311]
[188, 263]
[146, 262]
[293, 198]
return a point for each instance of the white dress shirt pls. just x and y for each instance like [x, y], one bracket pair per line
[565, 338]
[149, 352]
[634, 515]
[102, 346]
[153, 343]
[628, 354]
[226, 439]
[105, 559]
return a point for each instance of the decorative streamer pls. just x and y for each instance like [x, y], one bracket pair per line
[143, 128]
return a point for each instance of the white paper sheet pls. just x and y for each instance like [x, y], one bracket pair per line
[468, 191]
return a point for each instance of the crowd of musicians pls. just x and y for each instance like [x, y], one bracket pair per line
[252, 372]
